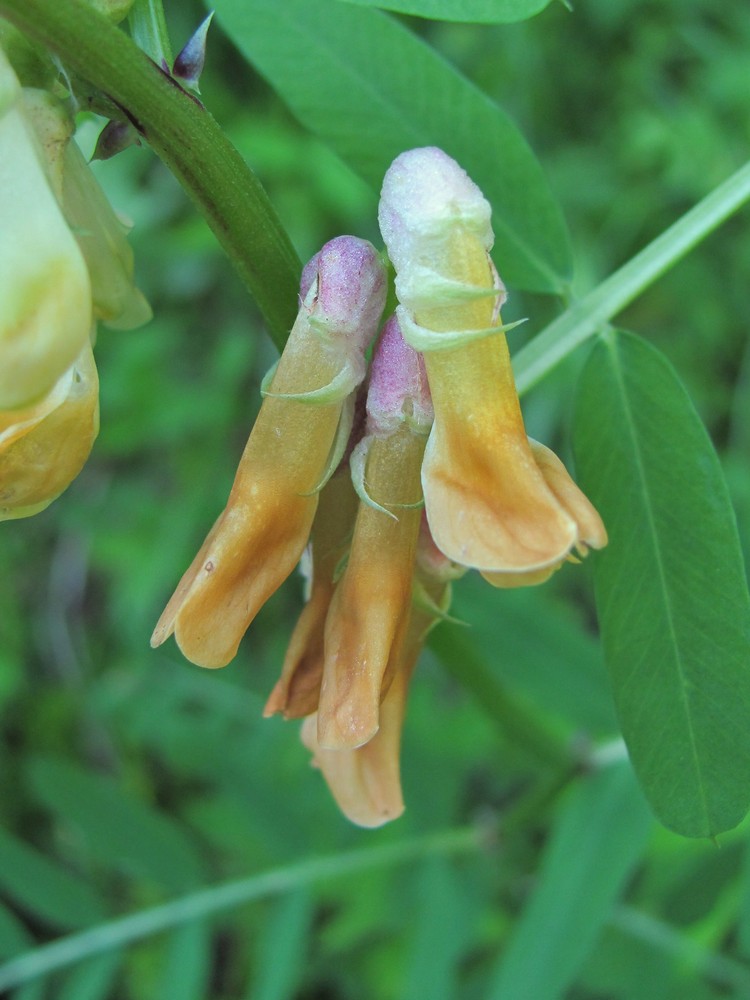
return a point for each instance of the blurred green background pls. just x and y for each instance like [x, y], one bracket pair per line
[130, 777]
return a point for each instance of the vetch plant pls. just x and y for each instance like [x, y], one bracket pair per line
[396, 447]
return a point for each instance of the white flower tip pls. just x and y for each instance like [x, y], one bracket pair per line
[425, 194]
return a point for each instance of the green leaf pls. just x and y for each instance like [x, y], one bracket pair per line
[188, 966]
[122, 832]
[92, 980]
[14, 938]
[600, 836]
[371, 89]
[670, 587]
[444, 921]
[282, 948]
[481, 11]
[43, 888]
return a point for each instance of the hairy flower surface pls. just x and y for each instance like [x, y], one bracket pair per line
[492, 502]
[258, 539]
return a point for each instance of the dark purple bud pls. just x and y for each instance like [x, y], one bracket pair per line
[188, 65]
[113, 138]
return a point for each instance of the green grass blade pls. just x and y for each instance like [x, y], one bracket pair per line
[206, 902]
[586, 316]
[600, 836]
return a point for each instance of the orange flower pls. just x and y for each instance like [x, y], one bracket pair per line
[297, 691]
[494, 501]
[259, 537]
[366, 780]
[369, 614]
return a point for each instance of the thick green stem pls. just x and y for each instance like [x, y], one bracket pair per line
[590, 313]
[207, 902]
[187, 139]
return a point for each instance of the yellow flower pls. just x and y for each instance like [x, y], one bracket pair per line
[365, 781]
[369, 614]
[44, 447]
[494, 501]
[263, 530]
[45, 292]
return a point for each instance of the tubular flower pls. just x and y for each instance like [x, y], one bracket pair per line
[366, 780]
[369, 614]
[45, 292]
[53, 286]
[259, 537]
[494, 501]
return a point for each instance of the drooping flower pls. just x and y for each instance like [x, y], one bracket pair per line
[297, 691]
[258, 539]
[366, 780]
[64, 263]
[368, 618]
[45, 292]
[494, 501]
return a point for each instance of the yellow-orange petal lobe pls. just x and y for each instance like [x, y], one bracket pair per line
[46, 448]
[258, 539]
[366, 781]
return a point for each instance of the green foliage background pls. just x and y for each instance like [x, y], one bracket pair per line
[131, 778]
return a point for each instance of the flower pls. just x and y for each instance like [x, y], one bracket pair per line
[45, 292]
[54, 285]
[297, 691]
[369, 614]
[365, 781]
[494, 500]
[259, 537]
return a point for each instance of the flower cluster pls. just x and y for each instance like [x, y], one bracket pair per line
[64, 264]
[400, 484]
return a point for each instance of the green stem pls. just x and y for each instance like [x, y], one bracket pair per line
[590, 313]
[662, 937]
[459, 657]
[187, 139]
[207, 902]
[148, 29]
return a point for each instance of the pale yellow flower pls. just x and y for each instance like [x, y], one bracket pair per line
[44, 447]
[45, 292]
